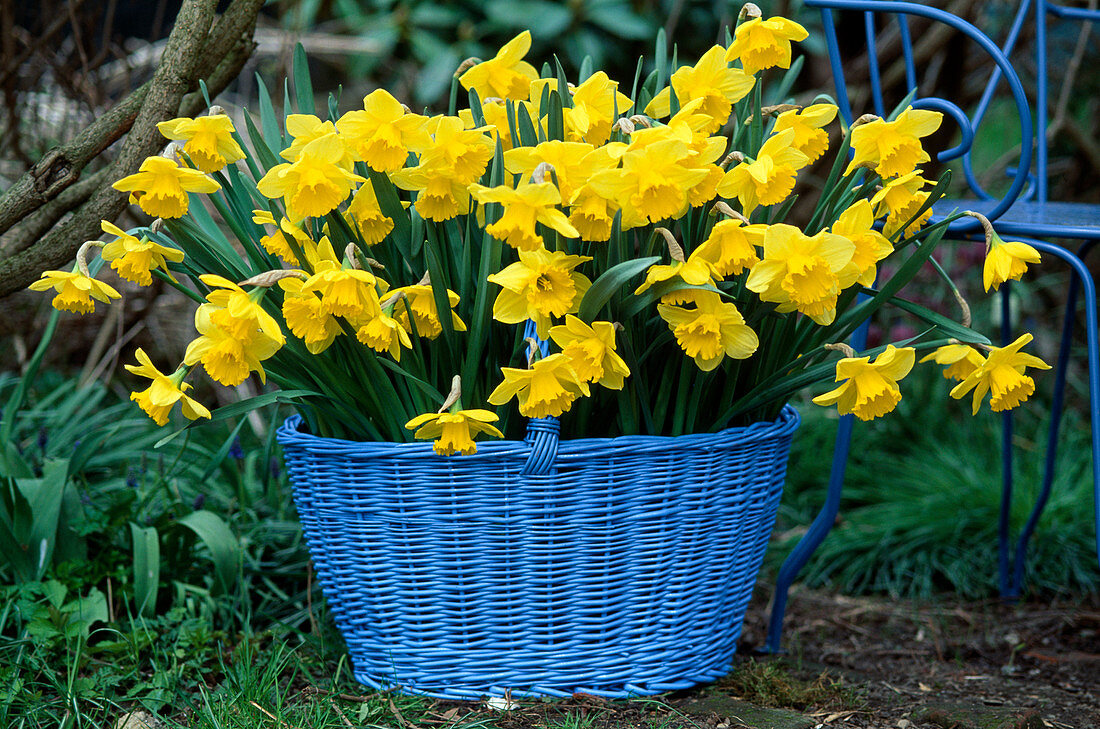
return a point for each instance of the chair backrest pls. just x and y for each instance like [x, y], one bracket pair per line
[880, 16]
[1043, 12]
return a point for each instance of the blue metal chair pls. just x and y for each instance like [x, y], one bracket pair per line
[1023, 213]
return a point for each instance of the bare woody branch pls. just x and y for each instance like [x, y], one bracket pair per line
[197, 48]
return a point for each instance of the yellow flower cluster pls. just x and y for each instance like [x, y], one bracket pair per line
[555, 188]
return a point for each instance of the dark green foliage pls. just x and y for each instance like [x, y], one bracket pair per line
[922, 497]
[433, 38]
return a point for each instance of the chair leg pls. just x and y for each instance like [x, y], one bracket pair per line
[822, 523]
[1081, 280]
[1056, 406]
[812, 539]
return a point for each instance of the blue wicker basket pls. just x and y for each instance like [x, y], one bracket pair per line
[613, 566]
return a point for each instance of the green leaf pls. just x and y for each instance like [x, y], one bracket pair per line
[267, 157]
[526, 127]
[146, 568]
[303, 86]
[555, 118]
[29, 513]
[225, 549]
[608, 283]
[547, 18]
[620, 20]
[390, 203]
[241, 407]
[661, 62]
[85, 610]
[15, 401]
[273, 134]
[947, 326]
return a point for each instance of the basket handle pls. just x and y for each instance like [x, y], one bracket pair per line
[542, 433]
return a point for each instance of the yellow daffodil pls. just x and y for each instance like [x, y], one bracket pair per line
[800, 272]
[347, 292]
[697, 270]
[228, 356]
[731, 246]
[307, 318]
[465, 152]
[304, 129]
[276, 243]
[366, 215]
[591, 351]
[871, 246]
[314, 184]
[160, 187]
[711, 331]
[420, 300]
[712, 81]
[573, 163]
[528, 204]
[893, 148]
[164, 392]
[1006, 261]
[592, 215]
[961, 360]
[769, 178]
[454, 432]
[238, 311]
[134, 259]
[761, 44]
[540, 285]
[899, 200]
[869, 389]
[506, 74]
[76, 291]
[441, 195]
[809, 137]
[653, 182]
[384, 333]
[1002, 376]
[693, 128]
[547, 389]
[383, 132]
[495, 111]
[597, 102]
[208, 140]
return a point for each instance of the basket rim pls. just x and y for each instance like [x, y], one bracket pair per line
[290, 434]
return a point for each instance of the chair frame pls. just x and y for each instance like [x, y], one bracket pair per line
[1025, 186]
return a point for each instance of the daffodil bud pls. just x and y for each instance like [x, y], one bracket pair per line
[749, 11]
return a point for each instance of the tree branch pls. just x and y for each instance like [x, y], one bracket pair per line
[30, 229]
[172, 78]
[61, 166]
[193, 50]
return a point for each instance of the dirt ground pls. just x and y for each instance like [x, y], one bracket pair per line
[943, 664]
[876, 663]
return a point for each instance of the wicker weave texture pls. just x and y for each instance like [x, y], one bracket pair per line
[612, 567]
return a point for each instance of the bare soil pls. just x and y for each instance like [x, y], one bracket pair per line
[873, 663]
[945, 663]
